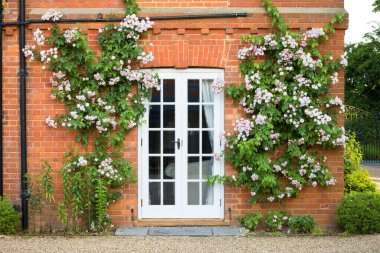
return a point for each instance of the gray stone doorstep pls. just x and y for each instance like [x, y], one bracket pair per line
[181, 231]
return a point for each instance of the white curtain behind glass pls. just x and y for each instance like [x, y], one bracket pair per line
[208, 97]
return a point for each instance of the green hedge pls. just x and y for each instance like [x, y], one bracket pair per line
[359, 213]
[302, 223]
[9, 218]
[359, 181]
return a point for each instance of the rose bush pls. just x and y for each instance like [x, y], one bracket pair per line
[105, 97]
[287, 109]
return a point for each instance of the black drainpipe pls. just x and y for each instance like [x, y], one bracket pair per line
[1, 99]
[21, 24]
[23, 73]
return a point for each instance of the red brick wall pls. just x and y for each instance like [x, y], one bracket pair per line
[180, 44]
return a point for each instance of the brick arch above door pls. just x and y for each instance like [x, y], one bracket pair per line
[182, 54]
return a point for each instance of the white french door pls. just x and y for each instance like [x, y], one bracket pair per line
[178, 141]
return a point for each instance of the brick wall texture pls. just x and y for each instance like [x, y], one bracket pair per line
[207, 43]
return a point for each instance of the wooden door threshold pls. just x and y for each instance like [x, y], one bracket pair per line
[180, 222]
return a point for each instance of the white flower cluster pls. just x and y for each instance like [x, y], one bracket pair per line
[114, 81]
[107, 170]
[308, 61]
[62, 86]
[82, 162]
[145, 58]
[245, 169]
[334, 78]
[150, 82]
[274, 136]
[131, 74]
[52, 15]
[39, 37]
[244, 128]
[259, 119]
[71, 36]
[323, 137]
[332, 181]
[340, 141]
[314, 33]
[254, 177]
[104, 124]
[243, 53]
[254, 78]
[28, 52]
[256, 50]
[47, 55]
[286, 55]
[51, 122]
[336, 102]
[74, 114]
[289, 41]
[59, 75]
[269, 41]
[136, 26]
[303, 99]
[217, 85]
[100, 79]
[262, 96]
[318, 116]
[343, 60]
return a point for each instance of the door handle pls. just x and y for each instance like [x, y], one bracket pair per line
[178, 143]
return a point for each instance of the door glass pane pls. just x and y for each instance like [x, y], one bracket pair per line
[193, 90]
[193, 167]
[156, 94]
[169, 90]
[193, 193]
[154, 167]
[207, 166]
[169, 146]
[154, 193]
[154, 116]
[169, 167]
[169, 193]
[193, 116]
[193, 142]
[207, 94]
[169, 116]
[207, 116]
[154, 142]
[207, 142]
[207, 194]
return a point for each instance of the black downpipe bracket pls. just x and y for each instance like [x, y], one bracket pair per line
[1, 100]
[23, 73]
[21, 24]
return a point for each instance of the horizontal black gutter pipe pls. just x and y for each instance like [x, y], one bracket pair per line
[101, 20]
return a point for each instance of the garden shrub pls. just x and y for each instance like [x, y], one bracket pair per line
[287, 106]
[360, 213]
[9, 218]
[277, 220]
[353, 155]
[250, 220]
[359, 181]
[302, 223]
[105, 95]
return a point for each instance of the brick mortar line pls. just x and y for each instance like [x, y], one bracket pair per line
[201, 10]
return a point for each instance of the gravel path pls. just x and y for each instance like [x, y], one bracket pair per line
[16, 244]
